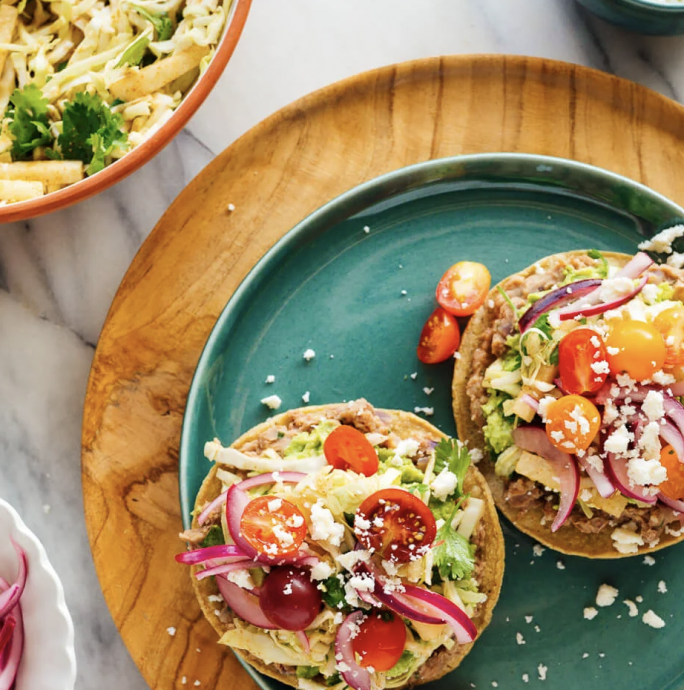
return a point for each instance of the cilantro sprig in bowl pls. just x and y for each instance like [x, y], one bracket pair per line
[89, 92]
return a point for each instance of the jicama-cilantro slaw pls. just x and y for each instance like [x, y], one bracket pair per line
[84, 82]
[343, 545]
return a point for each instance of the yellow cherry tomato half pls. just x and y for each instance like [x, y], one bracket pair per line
[572, 423]
[673, 486]
[670, 324]
[463, 288]
[635, 348]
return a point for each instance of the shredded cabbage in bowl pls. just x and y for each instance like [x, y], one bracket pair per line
[82, 82]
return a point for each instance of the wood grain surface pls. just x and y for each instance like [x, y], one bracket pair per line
[275, 175]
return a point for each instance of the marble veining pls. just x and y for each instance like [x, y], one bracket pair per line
[59, 273]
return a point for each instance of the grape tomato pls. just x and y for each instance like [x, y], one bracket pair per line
[289, 599]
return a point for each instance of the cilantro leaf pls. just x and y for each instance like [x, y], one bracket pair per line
[214, 537]
[29, 124]
[455, 555]
[90, 131]
[333, 594]
[163, 26]
[453, 456]
[333, 680]
[307, 671]
[542, 323]
[135, 52]
[596, 254]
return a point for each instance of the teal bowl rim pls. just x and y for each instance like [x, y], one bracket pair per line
[653, 5]
[390, 182]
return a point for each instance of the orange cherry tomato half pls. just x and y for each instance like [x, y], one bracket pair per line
[670, 324]
[380, 641]
[635, 348]
[578, 351]
[439, 338]
[463, 288]
[273, 526]
[572, 423]
[396, 524]
[346, 448]
[673, 486]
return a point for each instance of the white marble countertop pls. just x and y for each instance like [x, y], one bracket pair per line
[59, 273]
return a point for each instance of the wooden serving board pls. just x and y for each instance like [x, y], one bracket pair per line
[275, 175]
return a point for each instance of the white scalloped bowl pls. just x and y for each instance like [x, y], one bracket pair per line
[49, 659]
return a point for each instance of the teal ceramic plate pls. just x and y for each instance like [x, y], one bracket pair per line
[359, 299]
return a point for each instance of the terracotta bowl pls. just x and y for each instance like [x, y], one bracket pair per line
[129, 163]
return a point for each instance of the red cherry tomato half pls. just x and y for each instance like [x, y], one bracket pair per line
[439, 338]
[348, 449]
[396, 524]
[463, 288]
[578, 351]
[380, 641]
[273, 526]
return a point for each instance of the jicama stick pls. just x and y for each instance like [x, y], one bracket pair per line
[47, 172]
[137, 83]
[20, 190]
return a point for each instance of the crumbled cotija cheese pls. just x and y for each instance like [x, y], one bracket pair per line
[618, 441]
[444, 484]
[653, 406]
[662, 242]
[633, 610]
[612, 289]
[606, 595]
[309, 354]
[653, 619]
[626, 541]
[642, 471]
[323, 525]
[272, 401]
[590, 613]
[321, 571]
[241, 578]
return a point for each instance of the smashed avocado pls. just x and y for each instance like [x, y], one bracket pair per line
[598, 271]
[410, 474]
[665, 292]
[402, 666]
[308, 444]
[498, 431]
[214, 537]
